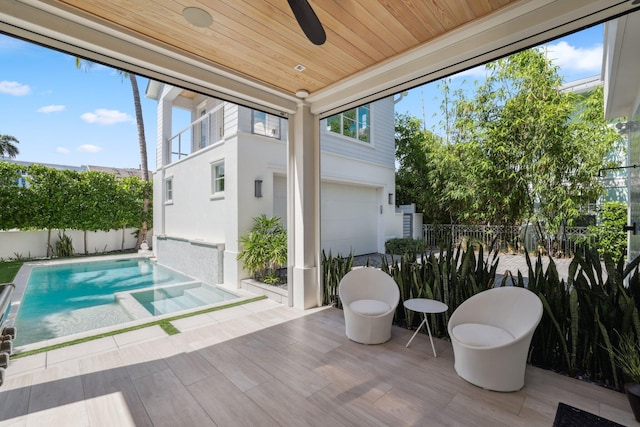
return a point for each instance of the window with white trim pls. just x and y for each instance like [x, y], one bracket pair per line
[217, 178]
[354, 123]
[168, 190]
[265, 124]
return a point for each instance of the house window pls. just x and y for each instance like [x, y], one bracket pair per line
[354, 123]
[217, 178]
[168, 190]
[265, 124]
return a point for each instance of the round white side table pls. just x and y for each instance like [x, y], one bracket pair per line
[425, 306]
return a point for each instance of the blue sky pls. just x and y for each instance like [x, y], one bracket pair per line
[578, 55]
[64, 115]
[68, 116]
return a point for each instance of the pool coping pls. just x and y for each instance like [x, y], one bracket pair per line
[123, 328]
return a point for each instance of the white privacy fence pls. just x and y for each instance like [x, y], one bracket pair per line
[507, 238]
[33, 244]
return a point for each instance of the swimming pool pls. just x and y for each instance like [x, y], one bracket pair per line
[65, 299]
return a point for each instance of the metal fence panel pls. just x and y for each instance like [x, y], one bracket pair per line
[505, 238]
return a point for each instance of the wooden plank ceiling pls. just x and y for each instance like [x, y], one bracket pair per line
[261, 40]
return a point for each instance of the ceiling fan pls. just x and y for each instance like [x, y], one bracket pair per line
[308, 21]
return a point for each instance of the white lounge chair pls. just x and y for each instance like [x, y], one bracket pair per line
[491, 333]
[369, 299]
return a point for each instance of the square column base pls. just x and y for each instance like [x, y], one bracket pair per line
[305, 287]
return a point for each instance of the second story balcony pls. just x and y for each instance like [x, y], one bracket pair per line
[203, 132]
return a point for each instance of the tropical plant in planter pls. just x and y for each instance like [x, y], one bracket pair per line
[627, 357]
[264, 249]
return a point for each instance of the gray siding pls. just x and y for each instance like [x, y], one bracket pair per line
[245, 123]
[380, 151]
[231, 116]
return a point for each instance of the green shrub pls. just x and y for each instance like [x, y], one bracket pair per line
[627, 357]
[576, 334]
[264, 249]
[64, 245]
[334, 268]
[404, 245]
[609, 236]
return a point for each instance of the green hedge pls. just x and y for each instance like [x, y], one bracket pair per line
[405, 245]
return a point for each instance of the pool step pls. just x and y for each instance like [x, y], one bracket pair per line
[171, 305]
[204, 295]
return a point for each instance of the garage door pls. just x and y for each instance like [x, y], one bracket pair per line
[349, 219]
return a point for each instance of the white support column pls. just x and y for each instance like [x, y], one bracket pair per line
[237, 219]
[303, 205]
[163, 158]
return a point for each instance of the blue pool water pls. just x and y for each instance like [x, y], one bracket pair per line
[68, 298]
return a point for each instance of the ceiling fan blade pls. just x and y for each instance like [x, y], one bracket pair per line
[308, 21]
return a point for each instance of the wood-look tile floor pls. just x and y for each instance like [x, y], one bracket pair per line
[268, 365]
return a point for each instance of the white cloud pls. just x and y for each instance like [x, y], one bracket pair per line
[62, 150]
[576, 59]
[88, 148]
[570, 59]
[14, 88]
[479, 72]
[103, 116]
[51, 108]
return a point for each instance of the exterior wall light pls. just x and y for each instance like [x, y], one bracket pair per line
[257, 188]
[390, 198]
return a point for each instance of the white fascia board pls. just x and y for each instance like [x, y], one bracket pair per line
[584, 85]
[622, 80]
[153, 90]
[51, 24]
[610, 59]
[518, 26]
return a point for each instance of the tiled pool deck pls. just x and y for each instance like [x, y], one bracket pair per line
[264, 364]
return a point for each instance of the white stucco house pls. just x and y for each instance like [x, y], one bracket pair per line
[230, 165]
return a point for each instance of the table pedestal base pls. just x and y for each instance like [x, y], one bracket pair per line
[424, 322]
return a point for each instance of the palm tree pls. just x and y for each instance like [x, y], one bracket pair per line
[8, 147]
[142, 141]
